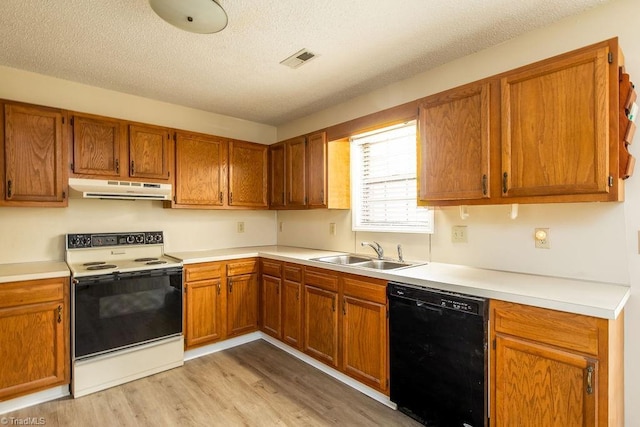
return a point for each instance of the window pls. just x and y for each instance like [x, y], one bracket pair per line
[384, 184]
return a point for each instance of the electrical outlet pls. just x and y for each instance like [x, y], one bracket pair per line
[332, 228]
[459, 234]
[240, 227]
[541, 238]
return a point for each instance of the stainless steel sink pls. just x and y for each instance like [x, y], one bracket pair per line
[346, 259]
[364, 262]
[383, 264]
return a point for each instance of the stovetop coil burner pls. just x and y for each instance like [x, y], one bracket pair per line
[155, 262]
[101, 266]
[88, 264]
[145, 259]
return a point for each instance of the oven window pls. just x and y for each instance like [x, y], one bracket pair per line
[114, 313]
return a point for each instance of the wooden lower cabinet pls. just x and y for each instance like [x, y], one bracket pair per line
[292, 305]
[271, 306]
[220, 300]
[554, 368]
[242, 297]
[39, 310]
[203, 312]
[321, 324]
[364, 331]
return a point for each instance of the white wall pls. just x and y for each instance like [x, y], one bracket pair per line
[597, 241]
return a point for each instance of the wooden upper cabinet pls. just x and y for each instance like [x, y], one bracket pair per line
[201, 165]
[317, 170]
[148, 151]
[97, 144]
[33, 156]
[277, 178]
[453, 146]
[248, 174]
[310, 172]
[296, 158]
[555, 126]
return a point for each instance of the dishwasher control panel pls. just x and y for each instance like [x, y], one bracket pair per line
[436, 297]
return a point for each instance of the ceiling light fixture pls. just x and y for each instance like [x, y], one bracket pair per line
[196, 16]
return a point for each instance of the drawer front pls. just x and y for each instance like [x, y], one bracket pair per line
[560, 329]
[204, 271]
[374, 290]
[32, 292]
[242, 266]
[272, 268]
[293, 272]
[323, 279]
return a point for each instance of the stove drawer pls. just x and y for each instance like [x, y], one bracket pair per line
[242, 266]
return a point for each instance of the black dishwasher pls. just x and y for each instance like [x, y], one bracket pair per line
[438, 355]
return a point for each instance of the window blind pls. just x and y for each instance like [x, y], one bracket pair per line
[384, 182]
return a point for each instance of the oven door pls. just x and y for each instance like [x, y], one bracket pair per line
[119, 310]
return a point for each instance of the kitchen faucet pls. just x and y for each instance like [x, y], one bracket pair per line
[376, 247]
[400, 257]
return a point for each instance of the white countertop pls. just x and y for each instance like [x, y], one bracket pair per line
[599, 299]
[33, 271]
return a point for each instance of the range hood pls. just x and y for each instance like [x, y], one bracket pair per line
[115, 189]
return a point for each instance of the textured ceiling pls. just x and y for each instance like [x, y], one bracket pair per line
[361, 45]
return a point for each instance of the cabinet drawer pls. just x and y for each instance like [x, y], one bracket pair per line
[367, 289]
[565, 330]
[293, 272]
[204, 271]
[324, 279]
[242, 266]
[272, 268]
[32, 292]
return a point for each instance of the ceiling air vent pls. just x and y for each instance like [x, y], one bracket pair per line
[298, 58]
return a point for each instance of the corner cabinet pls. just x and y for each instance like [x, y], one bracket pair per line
[555, 368]
[38, 309]
[32, 159]
[546, 132]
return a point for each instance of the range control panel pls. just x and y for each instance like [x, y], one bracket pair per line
[82, 241]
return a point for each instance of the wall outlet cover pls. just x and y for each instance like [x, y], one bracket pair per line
[240, 226]
[459, 234]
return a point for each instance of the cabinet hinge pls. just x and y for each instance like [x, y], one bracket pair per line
[64, 195]
[610, 57]
[71, 166]
[306, 200]
[70, 121]
[494, 344]
[62, 119]
[175, 199]
[610, 181]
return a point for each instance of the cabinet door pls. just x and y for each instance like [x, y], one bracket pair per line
[148, 150]
[555, 127]
[364, 330]
[40, 361]
[317, 170]
[292, 314]
[203, 312]
[271, 306]
[539, 385]
[242, 304]
[33, 155]
[201, 163]
[277, 176]
[248, 176]
[296, 159]
[97, 142]
[453, 150]
[321, 325]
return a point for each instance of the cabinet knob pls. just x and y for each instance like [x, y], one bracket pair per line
[118, 166]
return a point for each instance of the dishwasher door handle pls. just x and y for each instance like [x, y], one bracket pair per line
[427, 306]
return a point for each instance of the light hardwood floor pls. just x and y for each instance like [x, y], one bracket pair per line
[255, 384]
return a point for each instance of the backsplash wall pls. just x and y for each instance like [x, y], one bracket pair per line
[29, 234]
